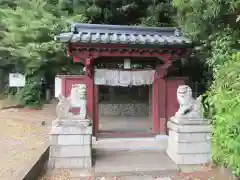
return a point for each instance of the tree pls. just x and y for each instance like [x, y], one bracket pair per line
[28, 28]
[199, 19]
[123, 12]
[27, 40]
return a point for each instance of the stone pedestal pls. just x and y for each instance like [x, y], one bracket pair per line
[70, 144]
[189, 141]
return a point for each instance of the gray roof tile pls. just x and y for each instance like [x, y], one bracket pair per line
[116, 34]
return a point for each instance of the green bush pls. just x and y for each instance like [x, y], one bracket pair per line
[225, 96]
[30, 94]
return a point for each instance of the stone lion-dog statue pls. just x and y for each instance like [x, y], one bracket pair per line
[77, 98]
[188, 106]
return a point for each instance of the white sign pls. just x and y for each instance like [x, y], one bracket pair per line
[16, 80]
[127, 64]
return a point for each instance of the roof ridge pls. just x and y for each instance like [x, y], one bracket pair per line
[116, 34]
[109, 27]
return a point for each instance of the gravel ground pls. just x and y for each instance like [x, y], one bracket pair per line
[66, 176]
[210, 174]
[23, 139]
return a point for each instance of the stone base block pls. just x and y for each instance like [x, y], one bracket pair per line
[70, 151]
[75, 139]
[70, 144]
[70, 163]
[189, 137]
[69, 126]
[189, 141]
[191, 148]
[189, 120]
[71, 130]
[189, 159]
[74, 121]
[185, 143]
[194, 128]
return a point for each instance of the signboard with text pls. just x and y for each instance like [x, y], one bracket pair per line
[16, 80]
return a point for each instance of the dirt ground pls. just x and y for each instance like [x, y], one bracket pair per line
[23, 139]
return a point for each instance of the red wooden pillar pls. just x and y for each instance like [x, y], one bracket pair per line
[96, 110]
[90, 92]
[150, 101]
[155, 103]
[159, 99]
[162, 105]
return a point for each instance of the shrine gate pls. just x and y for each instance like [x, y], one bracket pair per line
[156, 50]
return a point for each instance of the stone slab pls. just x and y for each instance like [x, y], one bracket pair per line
[189, 128]
[84, 174]
[70, 151]
[70, 122]
[189, 137]
[70, 139]
[134, 163]
[189, 121]
[189, 147]
[71, 163]
[74, 173]
[71, 130]
[132, 144]
[189, 159]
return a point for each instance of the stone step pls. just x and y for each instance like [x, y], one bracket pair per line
[133, 163]
[133, 144]
[140, 164]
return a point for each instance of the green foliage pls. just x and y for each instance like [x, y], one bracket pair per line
[27, 41]
[214, 23]
[123, 12]
[28, 27]
[226, 99]
[30, 95]
[199, 19]
[222, 47]
[159, 14]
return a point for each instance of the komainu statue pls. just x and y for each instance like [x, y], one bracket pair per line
[63, 106]
[77, 99]
[188, 106]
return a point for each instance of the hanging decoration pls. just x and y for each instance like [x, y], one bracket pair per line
[123, 78]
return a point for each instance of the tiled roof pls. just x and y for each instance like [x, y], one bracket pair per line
[116, 34]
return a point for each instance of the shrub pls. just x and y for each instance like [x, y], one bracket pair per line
[225, 95]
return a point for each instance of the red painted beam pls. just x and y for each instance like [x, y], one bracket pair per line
[86, 53]
[82, 56]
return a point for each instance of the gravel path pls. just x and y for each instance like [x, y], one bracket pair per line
[23, 139]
